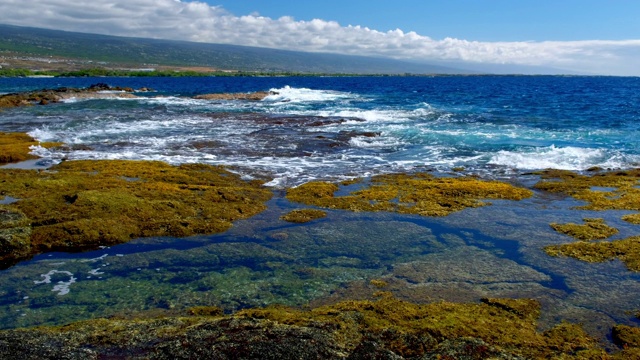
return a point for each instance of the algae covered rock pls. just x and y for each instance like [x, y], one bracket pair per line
[84, 204]
[627, 250]
[593, 229]
[383, 329]
[421, 194]
[15, 234]
[15, 147]
[613, 190]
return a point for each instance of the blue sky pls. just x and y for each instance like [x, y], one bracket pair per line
[488, 20]
[543, 36]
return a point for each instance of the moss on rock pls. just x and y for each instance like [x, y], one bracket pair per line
[83, 204]
[421, 194]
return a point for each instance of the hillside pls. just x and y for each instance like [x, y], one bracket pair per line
[17, 42]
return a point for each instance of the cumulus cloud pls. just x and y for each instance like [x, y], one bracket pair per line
[198, 21]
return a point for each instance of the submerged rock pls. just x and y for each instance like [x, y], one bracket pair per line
[303, 215]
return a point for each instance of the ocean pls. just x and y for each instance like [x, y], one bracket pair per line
[332, 127]
[338, 128]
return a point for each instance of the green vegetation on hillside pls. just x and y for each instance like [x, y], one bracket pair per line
[96, 49]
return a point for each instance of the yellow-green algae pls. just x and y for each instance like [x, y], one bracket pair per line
[621, 193]
[627, 250]
[303, 215]
[495, 328]
[632, 218]
[84, 204]
[625, 194]
[420, 193]
[16, 147]
[592, 229]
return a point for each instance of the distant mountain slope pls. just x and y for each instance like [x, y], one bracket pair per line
[112, 49]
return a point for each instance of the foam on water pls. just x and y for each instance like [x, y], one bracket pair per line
[567, 158]
[289, 94]
[360, 130]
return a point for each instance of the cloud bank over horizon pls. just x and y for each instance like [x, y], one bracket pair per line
[200, 22]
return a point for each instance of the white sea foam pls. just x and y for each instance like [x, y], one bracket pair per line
[370, 115]
[288, 94]
[552, 157]
[375, 142]
[62, 287]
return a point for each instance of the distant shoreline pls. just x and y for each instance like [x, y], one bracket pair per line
[100, 72]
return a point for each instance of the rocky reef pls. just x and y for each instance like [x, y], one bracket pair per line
[386, 328]
[80, 205]
[254, 96]
[420, 193]
[46, 96]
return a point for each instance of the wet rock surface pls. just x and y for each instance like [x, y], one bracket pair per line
[47, 96]
[254, 96]
[383, 329]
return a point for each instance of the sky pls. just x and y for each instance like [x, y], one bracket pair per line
[584, 36]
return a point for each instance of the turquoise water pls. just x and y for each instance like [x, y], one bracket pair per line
[321, 127]
[336, 128]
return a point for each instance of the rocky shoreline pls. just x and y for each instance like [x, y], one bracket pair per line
[385, 328]
[80, 205]
[104, 91]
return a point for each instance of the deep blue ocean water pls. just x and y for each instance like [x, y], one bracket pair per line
[336, 128]
[319, 127]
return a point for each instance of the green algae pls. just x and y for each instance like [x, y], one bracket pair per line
[592, 229]
[421, 194]
[494, 328]
[303, 215]
[84, 204]
[16, 147]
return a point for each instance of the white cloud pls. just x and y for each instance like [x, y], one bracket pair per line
[198, 21]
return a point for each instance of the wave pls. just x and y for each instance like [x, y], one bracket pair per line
[288, 94]
[566, 158]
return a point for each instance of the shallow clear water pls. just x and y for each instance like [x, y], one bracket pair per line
[336, 128]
